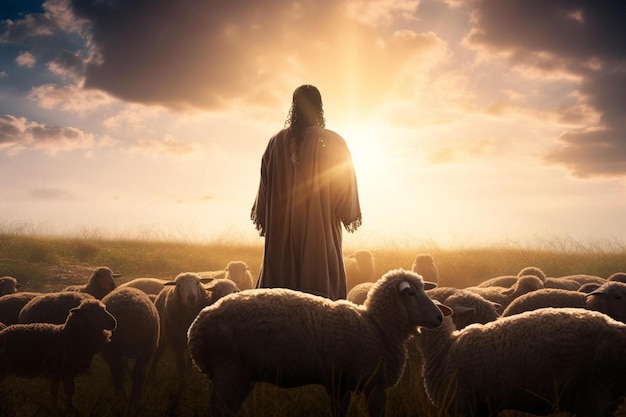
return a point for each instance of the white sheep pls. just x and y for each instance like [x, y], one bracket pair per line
[424, 265]
[178, 304]
[100, 283]
[609, 299]
[136, 336]
[504, 296]
[51, 307]
[12, 304]
[8, 285]
[290, 338]
[360, 267]
[59, 352]
[539, 362]
[148, 285]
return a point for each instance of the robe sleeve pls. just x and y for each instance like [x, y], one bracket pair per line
[259, 208]
[344, 189]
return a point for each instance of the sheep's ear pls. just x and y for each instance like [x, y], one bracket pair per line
[404, 285]
[458, 310]
[429, 285]
[497, 306]
[206, 280]
[445, 310]
[508, 291]
[18, 285]
[116, 275]
[599, 291]
[170, 283]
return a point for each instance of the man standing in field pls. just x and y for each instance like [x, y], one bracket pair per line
[307, 191]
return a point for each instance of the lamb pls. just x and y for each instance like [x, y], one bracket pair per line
[51, 307]
[100, 283]
[360, 267]
[12, 304]
[246, 337]
[148, 285]
[424, 265]
[609, 299]
[178, 304]
[523, 285]
[59, 352]
[528, 370]
[136, 336]
[8, 285]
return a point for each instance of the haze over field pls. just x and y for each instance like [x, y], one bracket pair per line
[469, 121]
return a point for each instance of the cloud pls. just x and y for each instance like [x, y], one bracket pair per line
[26, 59]
[67, 64]
[584, 40]
[18, 134]
[68, 97]
[213, 55]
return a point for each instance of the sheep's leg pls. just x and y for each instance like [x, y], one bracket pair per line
[155, 359]
[54, 392]
[231, 385]
[138, 377]
[116, 365]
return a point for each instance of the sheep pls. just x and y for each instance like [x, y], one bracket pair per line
[510, 280]
[239, 273]
[424, 265]
[12, 304]
[147, 285]
[609, 299]
[246, 337]
[539, 362]
[219, 288]
[469, 308]
[589, 287]
[618, 276]
[8, 285]
[136, 336]
[59, 352]
[441, 293]
[51, 307]
[358, 293]
[561, 283]
[584, 278]
[100, 283]
[504, 296]
[178, 304]
[360, 267]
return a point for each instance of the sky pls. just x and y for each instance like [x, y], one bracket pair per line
[469, 122]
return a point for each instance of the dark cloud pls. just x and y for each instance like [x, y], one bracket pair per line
[585, 38]
[211, 53]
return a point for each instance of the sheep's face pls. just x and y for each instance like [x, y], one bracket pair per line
[237, 271]
[609, 299]
[188, 289]
[420, 309]
[8, 285]
[104, 279]
[94, 315]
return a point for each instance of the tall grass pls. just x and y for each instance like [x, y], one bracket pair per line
[43, 262]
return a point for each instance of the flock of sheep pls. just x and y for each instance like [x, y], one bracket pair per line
[524, 342]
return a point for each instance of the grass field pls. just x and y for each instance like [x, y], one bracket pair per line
[49, 263]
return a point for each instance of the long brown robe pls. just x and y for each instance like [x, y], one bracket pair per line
[305, 195]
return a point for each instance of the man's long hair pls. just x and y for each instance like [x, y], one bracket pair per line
[306, 110]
